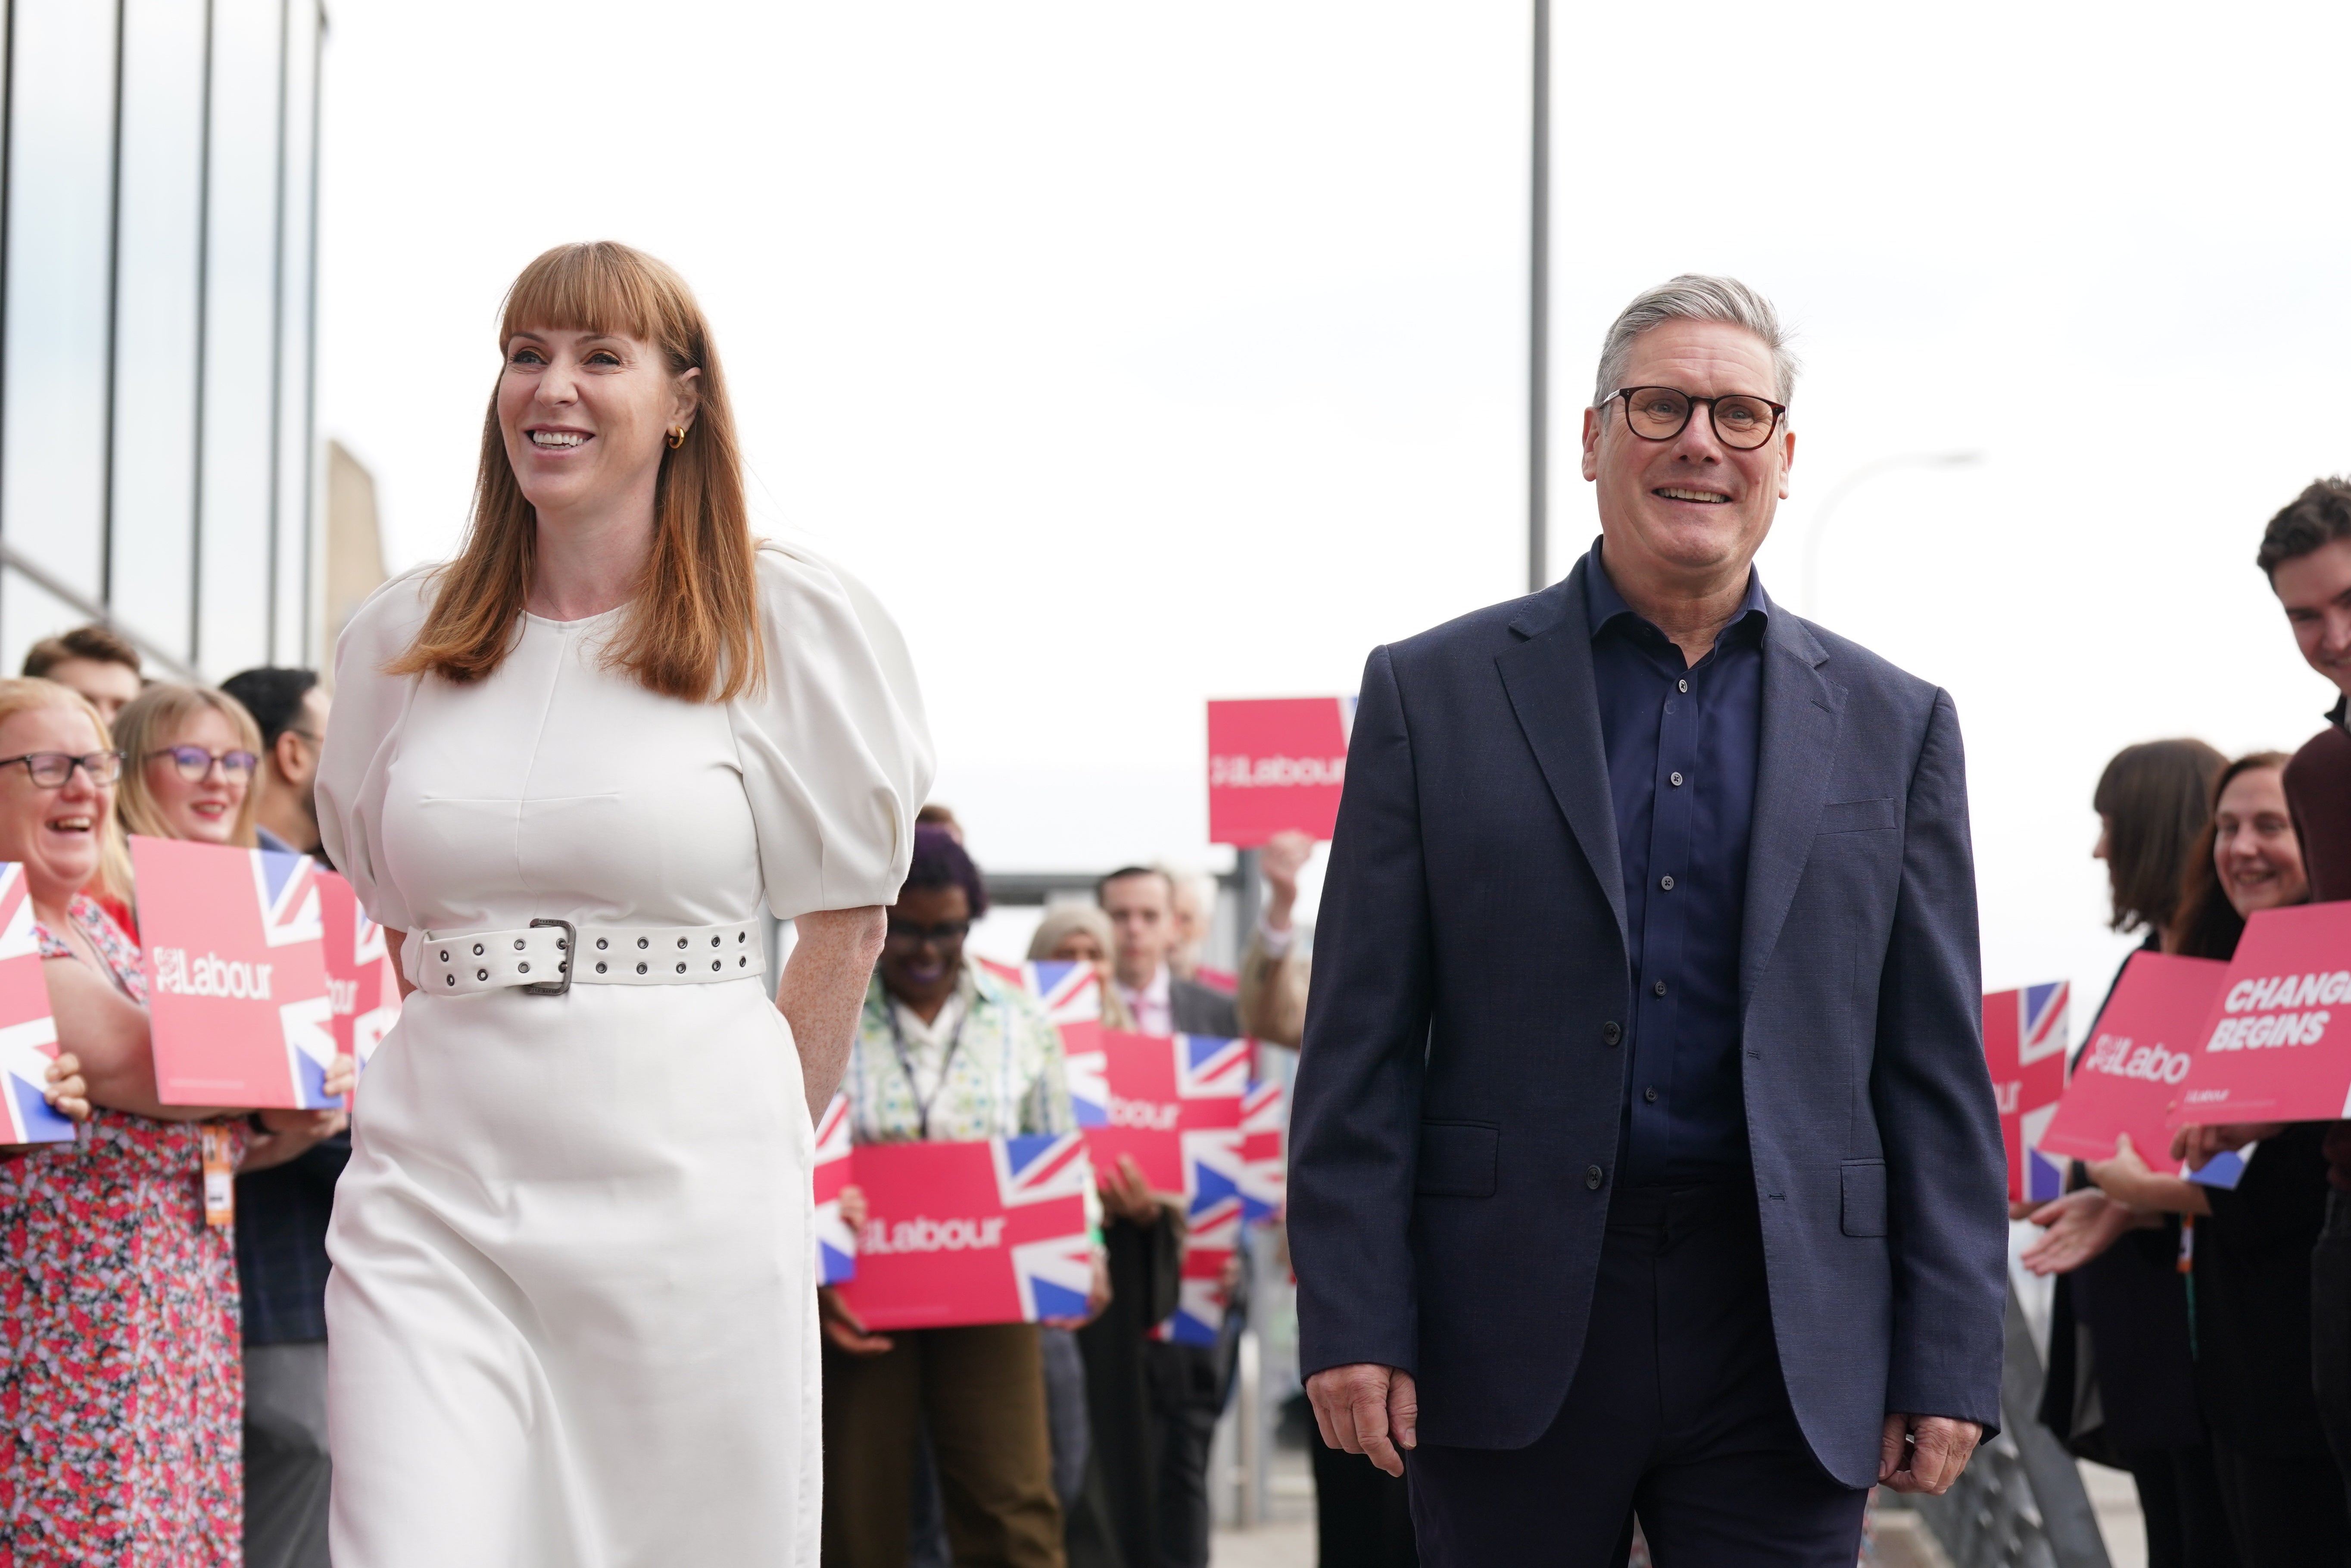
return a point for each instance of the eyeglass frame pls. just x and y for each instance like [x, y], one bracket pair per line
[913, 935]
[1778, 413]
[212, 759]
[72, 762]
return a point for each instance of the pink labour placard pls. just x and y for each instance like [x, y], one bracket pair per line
[1170, 1103]
[971, 1232]
[2138, 1057]
[1276, 766]
[2272, 1049]
[2024, 1046]
[236, 975]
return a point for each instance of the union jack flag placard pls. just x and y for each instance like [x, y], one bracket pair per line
[836, 1245]
[1262, 1117]
[2024, 1045]
[236, 975]
[972, 1233]
[1209, 1247]
[29, 1035]
[1170, 1103]
[362, 974]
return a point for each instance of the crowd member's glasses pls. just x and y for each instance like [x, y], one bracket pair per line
[907, 934]
[194, 762]
[50, 770]
[1659, 413]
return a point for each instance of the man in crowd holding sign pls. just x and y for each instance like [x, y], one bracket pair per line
[1643, 1151]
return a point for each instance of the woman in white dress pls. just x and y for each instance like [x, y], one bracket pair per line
[571, 1324]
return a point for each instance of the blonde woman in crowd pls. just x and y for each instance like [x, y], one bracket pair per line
[118, 1315]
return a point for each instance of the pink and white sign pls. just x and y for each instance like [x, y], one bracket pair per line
[2138, 1056]
[1263, 1115]
[1170, 1103]
[236, 975]
[2024, 1045]
[2267, 1051]
[1210, 1246]
[29, 1035]
[363, 975]
[972, 1233]
[836, 1244]
[1276, 766]
[1069, 993]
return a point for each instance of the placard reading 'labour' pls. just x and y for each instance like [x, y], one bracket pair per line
[362, 974]
[2024, 1045]
[1170, 1103]
[1276, 766]
[236, 975]
[28, 1034]
[2138, 1057]
[2270, 1048]
[971, 1232]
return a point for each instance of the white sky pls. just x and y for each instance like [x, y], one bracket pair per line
[1140, 354]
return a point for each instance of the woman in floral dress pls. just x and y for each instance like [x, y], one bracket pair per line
[119, 1357]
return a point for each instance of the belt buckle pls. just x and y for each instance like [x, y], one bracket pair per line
[569, 947]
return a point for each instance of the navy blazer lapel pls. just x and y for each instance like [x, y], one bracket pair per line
[1549, 679]
[1801, 710]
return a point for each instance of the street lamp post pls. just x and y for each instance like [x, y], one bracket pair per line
[1846, 486]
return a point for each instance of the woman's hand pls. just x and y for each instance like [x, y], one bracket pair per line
[2197, 1145]
[852, 1208]
[2076, 1228]
[842, 1325]
[2126, 1179]
[1127, 1196]
[68, 1095]
[343, 1076]
[289, 1135]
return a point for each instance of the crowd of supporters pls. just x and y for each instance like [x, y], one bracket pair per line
[2201, 1335]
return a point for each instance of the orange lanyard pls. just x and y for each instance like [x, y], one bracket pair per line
[220, 1175]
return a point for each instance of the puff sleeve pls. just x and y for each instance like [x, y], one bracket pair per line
[362, 729]
[835, 752]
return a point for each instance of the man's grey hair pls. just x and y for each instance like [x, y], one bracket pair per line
[1693, 297]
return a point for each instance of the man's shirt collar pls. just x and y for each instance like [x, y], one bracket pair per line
[1602, 603]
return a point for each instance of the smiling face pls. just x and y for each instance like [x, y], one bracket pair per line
[204, 809]
[2315, 591]
[1688, 509]
[2253, 846]
[922, 956]
[586, 417]
[53, 833]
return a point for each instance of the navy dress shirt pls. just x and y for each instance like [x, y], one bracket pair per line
[1681, 745]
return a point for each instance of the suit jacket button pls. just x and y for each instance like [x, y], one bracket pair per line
[1591, 1176]
[1611, 1032]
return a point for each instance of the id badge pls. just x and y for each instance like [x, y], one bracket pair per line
[220, 1175]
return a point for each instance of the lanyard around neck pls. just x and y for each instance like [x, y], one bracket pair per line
[922, 1103]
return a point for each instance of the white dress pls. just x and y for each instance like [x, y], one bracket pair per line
[570, 1323]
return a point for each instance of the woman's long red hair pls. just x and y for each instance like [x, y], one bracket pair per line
[693, 630]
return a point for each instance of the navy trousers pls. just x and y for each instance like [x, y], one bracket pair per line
[1677, 1412]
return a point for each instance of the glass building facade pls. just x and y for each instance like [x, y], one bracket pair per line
[158, 229]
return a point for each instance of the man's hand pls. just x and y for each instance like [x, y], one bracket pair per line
[1925, 1453]
[842, 1325]
[1368, 1409]
[1285, 855]
[2198, 1145]
[2079, 1226]
[1126, 1195]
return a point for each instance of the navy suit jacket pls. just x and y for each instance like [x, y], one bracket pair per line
[1454, 1127]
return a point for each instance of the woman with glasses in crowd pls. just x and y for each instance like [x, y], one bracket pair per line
[2249, 1326]
[121, 1305]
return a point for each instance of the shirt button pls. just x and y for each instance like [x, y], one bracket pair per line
[1650, 1095]
[1661, 988]
[1667, 883]
[1611, 1033]
[1674, 779]
[1591, 1176]
[1681, 685]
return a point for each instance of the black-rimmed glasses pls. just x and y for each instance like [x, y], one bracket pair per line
[194, 762]
[1741, 420]
[50, 770]
[905, 933]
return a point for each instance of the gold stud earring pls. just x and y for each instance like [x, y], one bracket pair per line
[676, 437]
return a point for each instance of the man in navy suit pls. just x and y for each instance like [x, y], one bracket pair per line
[1645, 1157]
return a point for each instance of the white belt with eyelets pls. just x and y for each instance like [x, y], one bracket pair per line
[547, 958]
